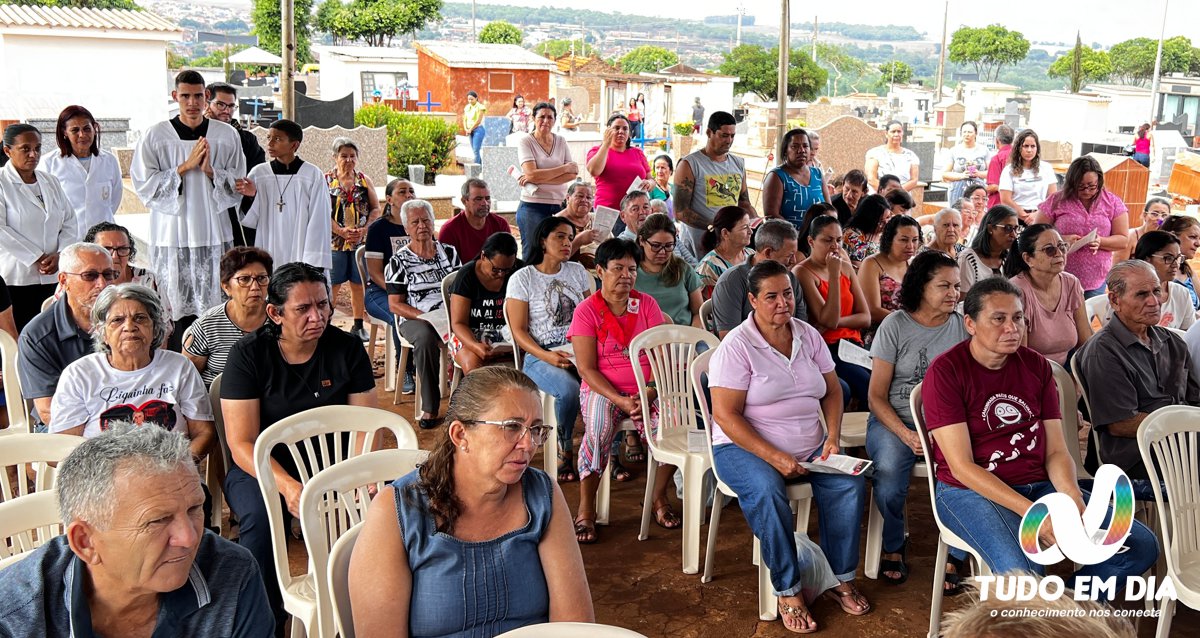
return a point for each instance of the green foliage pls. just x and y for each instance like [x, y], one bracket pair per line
[216, 58]
[374, 22]
[647, 58]
[862, 31]
[174, 60]
[683, 128]
[500, 32]
[895, 71]
[843, 65]
[1133, 60]
[268, 26]
[559, 48]
[988, 48]
[758, 69]
[412, 138]
[79, 4]
[1080, 66]
[231, 26]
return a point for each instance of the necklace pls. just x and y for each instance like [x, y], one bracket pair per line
[279, 204]
[292, 370]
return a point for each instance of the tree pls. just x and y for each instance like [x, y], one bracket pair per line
[326, 20]
[500, 32]
[895, 72]
[989, 49]
[558, 48]
[647, 59]
[843, 64]
[1081, 66]
[375, 22]
[1133, 60]
[758, 69]
[268, 26]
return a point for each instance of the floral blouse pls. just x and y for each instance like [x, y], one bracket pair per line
[857, 246]
[351, 206]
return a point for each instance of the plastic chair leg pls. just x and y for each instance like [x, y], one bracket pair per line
[405, 354]
[710, 552]
[550, 449]
[693, 512]
[768, 608]
[603, 494]
[371, 341]
[874, 547]
[389, 362]
[648, 500]
[939, 583]
[1166, 609]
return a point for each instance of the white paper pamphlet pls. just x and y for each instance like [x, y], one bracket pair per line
[851, 352]
[440, 322]
[837, 464]
[697, 441]
[604, 220]
[567, 348]
[1082, 241]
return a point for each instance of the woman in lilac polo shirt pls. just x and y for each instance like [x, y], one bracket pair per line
[770, 377]
[1083, 205]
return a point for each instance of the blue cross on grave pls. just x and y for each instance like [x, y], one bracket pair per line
[428, 103]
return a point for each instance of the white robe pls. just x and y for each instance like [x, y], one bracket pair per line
[189, 225]
[299, 232]
[94, 192]
[30, 229]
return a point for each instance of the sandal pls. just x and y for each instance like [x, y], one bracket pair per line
[666, 518]
[847, 600]
[633, 451]
[619, 473]
[585, 531]
[801, 619]
[898, 566]
[566, 467]
[954, 578]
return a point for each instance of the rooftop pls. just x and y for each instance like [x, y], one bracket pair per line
[476, 55]
[50, 18]
[370, 53]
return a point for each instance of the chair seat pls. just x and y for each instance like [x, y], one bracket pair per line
[673, 449]
[1187, 580]
[854, 429]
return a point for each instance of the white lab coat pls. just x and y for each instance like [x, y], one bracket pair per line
[95, 192]
[29, 229]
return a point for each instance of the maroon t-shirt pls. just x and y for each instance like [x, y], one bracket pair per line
[467, 241]
[1004, 411]
[995, 167]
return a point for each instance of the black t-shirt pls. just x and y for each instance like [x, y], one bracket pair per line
[487, 307]
[256, 370]
[5, 300]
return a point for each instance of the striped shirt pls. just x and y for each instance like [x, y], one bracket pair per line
[212, 335]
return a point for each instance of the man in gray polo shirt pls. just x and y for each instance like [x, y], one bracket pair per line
[135, 559]
[708, 180]
[1132, 367]
[774, 241]
[61, 334]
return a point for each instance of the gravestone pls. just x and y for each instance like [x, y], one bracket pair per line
[1012, 115]
[845, 142]
[495, 129]
[819, 114]
[927, 152]
[496, 160]
[472, 170]
[114, 132]
[317, 148]
[325, 113]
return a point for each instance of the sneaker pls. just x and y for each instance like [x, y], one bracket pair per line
[409, 385]
[361, 333]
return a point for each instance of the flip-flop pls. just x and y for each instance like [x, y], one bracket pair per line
[566, 468]
[796, 614]
[899, 566]
[954, 579]
[585, 528]
[620, 473]
[845, 598]
[666, 518]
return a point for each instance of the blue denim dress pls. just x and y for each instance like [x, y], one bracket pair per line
[474, 589]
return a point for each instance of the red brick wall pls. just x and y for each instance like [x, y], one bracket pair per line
[450, 86]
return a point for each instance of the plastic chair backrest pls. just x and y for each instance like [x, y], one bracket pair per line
[518, 355]
[32, 451]
[669, 349]
[360, 263]
[698, 369]
[28, 522]
[48, 302]
[214, 397]
[706, 316]
[18, 417]
[1098, 311]
[339, 581]
[304, 435]
[1169, 440]
[1083, 394]
[336, 499]
[570, 630]
[917, 407]
[447, 284]
[1068, 402]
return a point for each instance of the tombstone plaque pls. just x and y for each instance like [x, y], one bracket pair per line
[496, 160]
[845, 142]
[495, 129]
[927, 152]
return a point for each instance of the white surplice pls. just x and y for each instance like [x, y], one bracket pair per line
[30, 228]
[94, 191]
[189, 225]
[299, 231]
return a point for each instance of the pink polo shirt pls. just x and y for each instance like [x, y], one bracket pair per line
[783, 394]
[1071, 218]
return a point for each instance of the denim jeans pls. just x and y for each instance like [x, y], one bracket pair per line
[992, 530]
[762, 493]
[1088, 294]
[376, 301]
[529, 215]
[245, 498]
[563, 385]
[477, 143]
[856, 377]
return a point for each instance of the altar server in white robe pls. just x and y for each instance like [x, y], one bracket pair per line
[90, 177]
[291, 209]
[185, 170]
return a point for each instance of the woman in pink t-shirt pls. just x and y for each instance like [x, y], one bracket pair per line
[615, 163]
[1079, 208]
[1056, 320]
[603, 327]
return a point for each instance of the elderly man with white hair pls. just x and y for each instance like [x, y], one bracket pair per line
[62, 333]
[135, 559]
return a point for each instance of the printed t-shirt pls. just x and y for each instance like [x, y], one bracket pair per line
[552, 300]
[612, 358]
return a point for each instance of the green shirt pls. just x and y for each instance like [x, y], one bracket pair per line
[672, 300]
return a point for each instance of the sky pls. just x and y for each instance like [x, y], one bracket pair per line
[1103, 21]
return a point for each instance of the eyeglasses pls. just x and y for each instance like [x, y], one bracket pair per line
[1087, 188]
[515, 430]
[1168, 259]
[660, 247]
[119, 251]
[223, 106]
[1054, 250]
[1011, 229]
[496, 270]
[92, 275]
[245, 280]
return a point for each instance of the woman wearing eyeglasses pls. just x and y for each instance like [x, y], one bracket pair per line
[477, 303]
[662, 275]
[1056, 320]
[117, 240]
[245, 273]
[1161, 250]
[985, 257]
[1083, 205]
[446, 539]
[90, 177]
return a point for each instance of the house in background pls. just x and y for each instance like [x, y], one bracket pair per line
[985, 101]
[108, 60]
[362, 70]
[496, 72]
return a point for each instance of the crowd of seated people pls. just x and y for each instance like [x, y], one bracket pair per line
[965, 309]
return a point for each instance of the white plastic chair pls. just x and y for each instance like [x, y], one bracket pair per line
[304, 434]
[1169, 440]
[1068, 404]
[49, 301]
[27, 523]
[339, 580]
[570, 630]
[217, 462]
[669, 349]
[857, 437]
[706, 316]
[800, 495]
[1098, 310]
[24, 452]
[447, 283]
[946, 538]
[336, 499]
[389, 346]
[18, 417]
[406, 351]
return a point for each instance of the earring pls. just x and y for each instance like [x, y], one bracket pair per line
[463, 447]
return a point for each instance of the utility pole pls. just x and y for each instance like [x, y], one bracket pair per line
[937, 85]
[1158, 67]
[814, 38]
[741, 9]
[785, 27]
[474, 36]
[287, 88]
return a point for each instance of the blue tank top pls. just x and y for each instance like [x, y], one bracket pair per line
[797, 197]
[474, 589]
